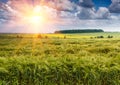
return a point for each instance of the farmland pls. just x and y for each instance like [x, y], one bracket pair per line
[60, 59]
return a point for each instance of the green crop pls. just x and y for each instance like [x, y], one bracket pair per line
[55, 60]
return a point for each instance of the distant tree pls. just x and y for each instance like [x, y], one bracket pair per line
[18, 36]
[100, 36]
[109, 36]
[80, 31]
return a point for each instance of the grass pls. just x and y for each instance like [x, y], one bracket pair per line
[75, 60]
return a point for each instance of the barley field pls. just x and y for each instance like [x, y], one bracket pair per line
[60, 59]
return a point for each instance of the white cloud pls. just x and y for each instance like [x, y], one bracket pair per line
[65, 5]
[103, 13]
[115, 16]
[86, 10]
[106, 25]
[51, 13]
[61, 5]
[67, 14]
[64, 14]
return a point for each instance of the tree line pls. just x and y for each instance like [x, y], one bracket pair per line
[79, 31]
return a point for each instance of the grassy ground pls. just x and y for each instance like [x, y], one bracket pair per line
[69, 59]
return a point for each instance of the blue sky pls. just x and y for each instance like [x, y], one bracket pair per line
[100, 14]
[97, 3]
[104, 3]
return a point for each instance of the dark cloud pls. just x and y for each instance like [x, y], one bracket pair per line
[115, 6]
[4, 12]
[86, 13]
[3, 1]
[86, 3]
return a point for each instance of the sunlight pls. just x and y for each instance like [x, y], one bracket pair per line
[39, 18]
[36, 19]
[37, 9]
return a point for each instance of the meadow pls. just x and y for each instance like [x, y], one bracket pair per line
[60, 59]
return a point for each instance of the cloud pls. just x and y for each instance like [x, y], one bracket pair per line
[4, 12]
[61, 5]
[13, 19]
[86, 3]
[103, 13]
[115, 16]
[91, 13]
[115, 6]
[106, 25]
[67, 9]
[66, 15]
[65, 5]
[50, 12]
[86, 13]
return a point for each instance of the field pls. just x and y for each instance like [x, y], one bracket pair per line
[60, 59]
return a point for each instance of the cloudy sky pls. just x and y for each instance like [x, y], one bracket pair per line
[50, 15]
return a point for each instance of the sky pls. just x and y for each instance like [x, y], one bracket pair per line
[47, 16]
[98, 3]
[102, 3]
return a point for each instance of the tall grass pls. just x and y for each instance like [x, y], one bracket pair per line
[60, 71]
[25, 61]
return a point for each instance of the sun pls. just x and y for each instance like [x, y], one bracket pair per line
[37, 16]
[36, 19]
